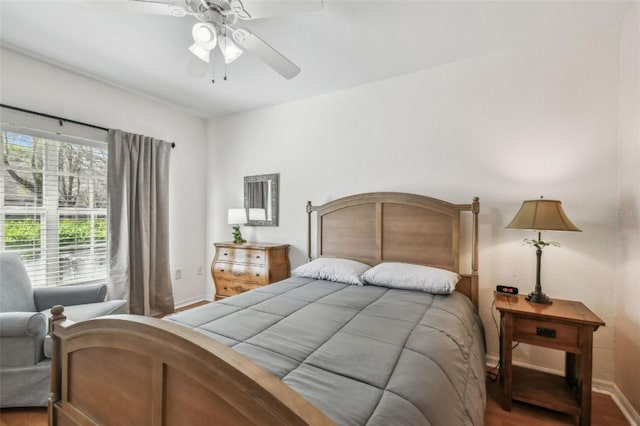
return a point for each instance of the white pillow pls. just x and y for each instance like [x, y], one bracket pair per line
[412, 277]
[333, 269]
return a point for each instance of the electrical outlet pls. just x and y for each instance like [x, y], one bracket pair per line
[178, 274]
[199, 270]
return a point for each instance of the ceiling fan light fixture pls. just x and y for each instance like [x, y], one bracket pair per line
[204, 34]
[203, 54]
[230, 51]
[205, 37]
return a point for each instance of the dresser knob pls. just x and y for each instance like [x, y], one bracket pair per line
[257, 275]
[257, 257]
[221, 270]
[225, 254]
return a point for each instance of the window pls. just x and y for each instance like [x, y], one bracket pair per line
[53, 205]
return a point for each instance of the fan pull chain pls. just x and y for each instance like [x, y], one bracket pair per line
[224, 53]
[223, 50]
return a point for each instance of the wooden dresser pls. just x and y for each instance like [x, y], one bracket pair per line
[237, 268]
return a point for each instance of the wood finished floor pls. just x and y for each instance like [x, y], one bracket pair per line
[605, 413]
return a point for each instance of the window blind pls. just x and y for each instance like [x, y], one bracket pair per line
[53, 204]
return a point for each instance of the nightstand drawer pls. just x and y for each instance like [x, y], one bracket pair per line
[234, 255]
[246, 273]
[553, 335]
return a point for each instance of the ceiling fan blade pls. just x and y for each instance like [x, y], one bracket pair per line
[258, 47]
[257, 9]
[142, 6]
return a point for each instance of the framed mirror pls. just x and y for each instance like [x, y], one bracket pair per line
[261, 199]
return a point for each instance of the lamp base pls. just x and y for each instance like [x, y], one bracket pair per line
[237, 236]
[538, 298]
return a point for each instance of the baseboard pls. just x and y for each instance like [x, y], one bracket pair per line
[625, 406]
[191, 301]
[598, 385]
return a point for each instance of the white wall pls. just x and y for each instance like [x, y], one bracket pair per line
[540, 120]
[627, 347]
[37, 86]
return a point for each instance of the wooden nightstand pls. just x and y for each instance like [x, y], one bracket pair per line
[237, 268]
[563, 325]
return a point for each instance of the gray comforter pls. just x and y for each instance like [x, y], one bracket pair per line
[364, 355]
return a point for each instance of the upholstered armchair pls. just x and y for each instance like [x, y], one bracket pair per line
[25, 349]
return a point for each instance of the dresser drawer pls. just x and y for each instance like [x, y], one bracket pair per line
[241, 255]
[251, 274]
[551, 334]
[231, 288]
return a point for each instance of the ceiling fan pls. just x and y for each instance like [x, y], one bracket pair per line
[216, 28]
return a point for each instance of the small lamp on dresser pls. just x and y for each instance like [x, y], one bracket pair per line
[237, 217]
[541, 215]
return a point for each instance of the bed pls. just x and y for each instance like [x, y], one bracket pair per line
[305, 350]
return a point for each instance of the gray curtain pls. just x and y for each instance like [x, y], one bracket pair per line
[138, 182]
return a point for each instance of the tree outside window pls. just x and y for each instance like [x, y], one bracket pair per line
[53, 199]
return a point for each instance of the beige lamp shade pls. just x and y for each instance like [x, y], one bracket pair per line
[237, 217]
[542, 215]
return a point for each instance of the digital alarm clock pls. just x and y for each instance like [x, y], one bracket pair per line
[505, 289]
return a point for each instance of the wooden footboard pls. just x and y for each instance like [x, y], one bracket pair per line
[132, 370]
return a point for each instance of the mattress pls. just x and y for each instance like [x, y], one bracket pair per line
[364, 355]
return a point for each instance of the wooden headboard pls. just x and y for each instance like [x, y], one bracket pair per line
[397, 227]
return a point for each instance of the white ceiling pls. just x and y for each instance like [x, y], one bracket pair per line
[347, 44]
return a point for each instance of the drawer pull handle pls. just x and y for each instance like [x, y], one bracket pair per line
[257, 257]
[221, 270]
[226, 254]
[546, 332]
[257, 275]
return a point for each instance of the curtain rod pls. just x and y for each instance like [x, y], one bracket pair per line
[61, 119]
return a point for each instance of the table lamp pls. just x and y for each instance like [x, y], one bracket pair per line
[237, 217]
[541, 215]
